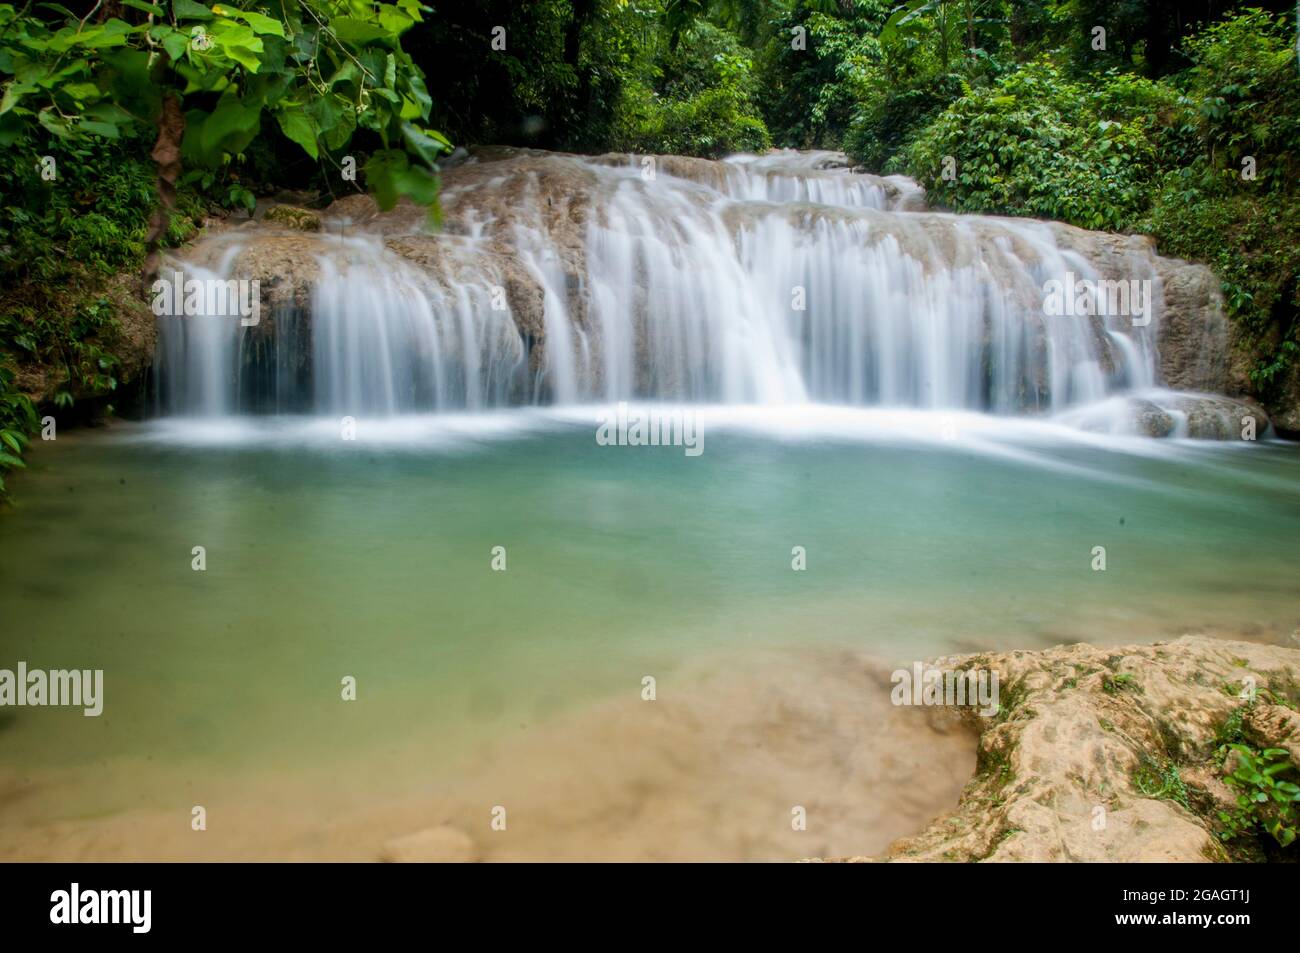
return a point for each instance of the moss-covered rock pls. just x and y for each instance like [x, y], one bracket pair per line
[289, 216]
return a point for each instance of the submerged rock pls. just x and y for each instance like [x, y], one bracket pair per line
[1151, 420]
[1211, 417]
[1108, 754]
[1173, 414]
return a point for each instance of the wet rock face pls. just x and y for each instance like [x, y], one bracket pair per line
[1194, 335]
[1175, 415]
[1150, 420]
[1202, 350]
[1108, 754]
[1216, 418]
[1286, 409]
[290, 217]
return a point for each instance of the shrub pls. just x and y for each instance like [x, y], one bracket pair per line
[889, 118]
[1241, 103]
[60, 241]
[700, 101]
[1039, 144]
[1268, 798]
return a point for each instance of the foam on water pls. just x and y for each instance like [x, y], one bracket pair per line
[1049, 444]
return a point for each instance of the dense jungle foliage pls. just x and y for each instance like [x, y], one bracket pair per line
[1181, 120]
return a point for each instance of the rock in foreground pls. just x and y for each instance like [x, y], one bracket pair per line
[1109, 754]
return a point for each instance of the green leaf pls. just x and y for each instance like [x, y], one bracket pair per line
[13, 93]
[347, 73]
[357, 32]
[81, 91]
[146, 7]
[130, 82]
[107, 34]
[424, 144]
[259, 22]
[238, 42]
[391, 176]
[394, 20]
[175, 43]
[381, 175]
[341, 134]
[419, 185]
[54, 124]
[296, 124]
[8, 459]
[190, 10]
[328, 111]
[244, 56]
[109, 113]
[105, 129]
[420, 93]
[336, 119]
[229, 128]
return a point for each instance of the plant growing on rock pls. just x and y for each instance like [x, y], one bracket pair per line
[1114, 684]
[1160, 780]
[17, 419]
[1268, 799]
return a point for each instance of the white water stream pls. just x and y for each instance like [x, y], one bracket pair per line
[771, 281]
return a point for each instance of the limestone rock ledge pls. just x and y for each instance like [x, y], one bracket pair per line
[1066, 767]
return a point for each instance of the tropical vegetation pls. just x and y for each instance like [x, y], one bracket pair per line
[126, 124]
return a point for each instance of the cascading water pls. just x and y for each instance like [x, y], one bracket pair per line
[195, 357]
[763, 280]
[387, 338]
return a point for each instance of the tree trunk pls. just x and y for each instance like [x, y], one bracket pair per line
[167, 154]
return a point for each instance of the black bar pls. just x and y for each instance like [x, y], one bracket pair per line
[215, 902]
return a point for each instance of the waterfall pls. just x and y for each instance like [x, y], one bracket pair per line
[772, 280]
[388, 339]
[196, 354]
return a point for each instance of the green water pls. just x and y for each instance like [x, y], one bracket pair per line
[328, 559]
